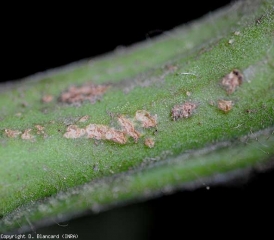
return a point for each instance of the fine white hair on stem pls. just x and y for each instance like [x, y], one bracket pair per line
[188, 73]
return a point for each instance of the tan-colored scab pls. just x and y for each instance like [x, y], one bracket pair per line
[88, 92]
[116, 136]
[183, 110]
[225, 105]
[12, 133]
[128, 128]
[103, 132]
[96, 131]
[26, 134]
[84, 118]
[149, 142]
[47, 98]
[40, 129]
[146, 119]
[232, 80]
[74, 131]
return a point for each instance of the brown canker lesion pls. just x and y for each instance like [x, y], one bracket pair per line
[149, 142]
[97, 132]
[232, 81]
[40, 129]
[129, 128]
[88, 92]
[116, 136]
[27, 135]
[73, 131]
[146, 119]
[183, 110]
[104, 132]
[120, 136]
[12, 133]
[225, 105]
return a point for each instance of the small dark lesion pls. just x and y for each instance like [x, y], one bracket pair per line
[259, 20]
[250, 110]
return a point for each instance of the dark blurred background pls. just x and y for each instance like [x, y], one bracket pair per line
[40, 36]
[44, 36]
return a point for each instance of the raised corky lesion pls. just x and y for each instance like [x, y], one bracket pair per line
[225, 105]
[121, 136]
[232, 81]
[147, 120]
[129, 128]
[12, 133]
[88, 92]
[25, 134]
[184, 110]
